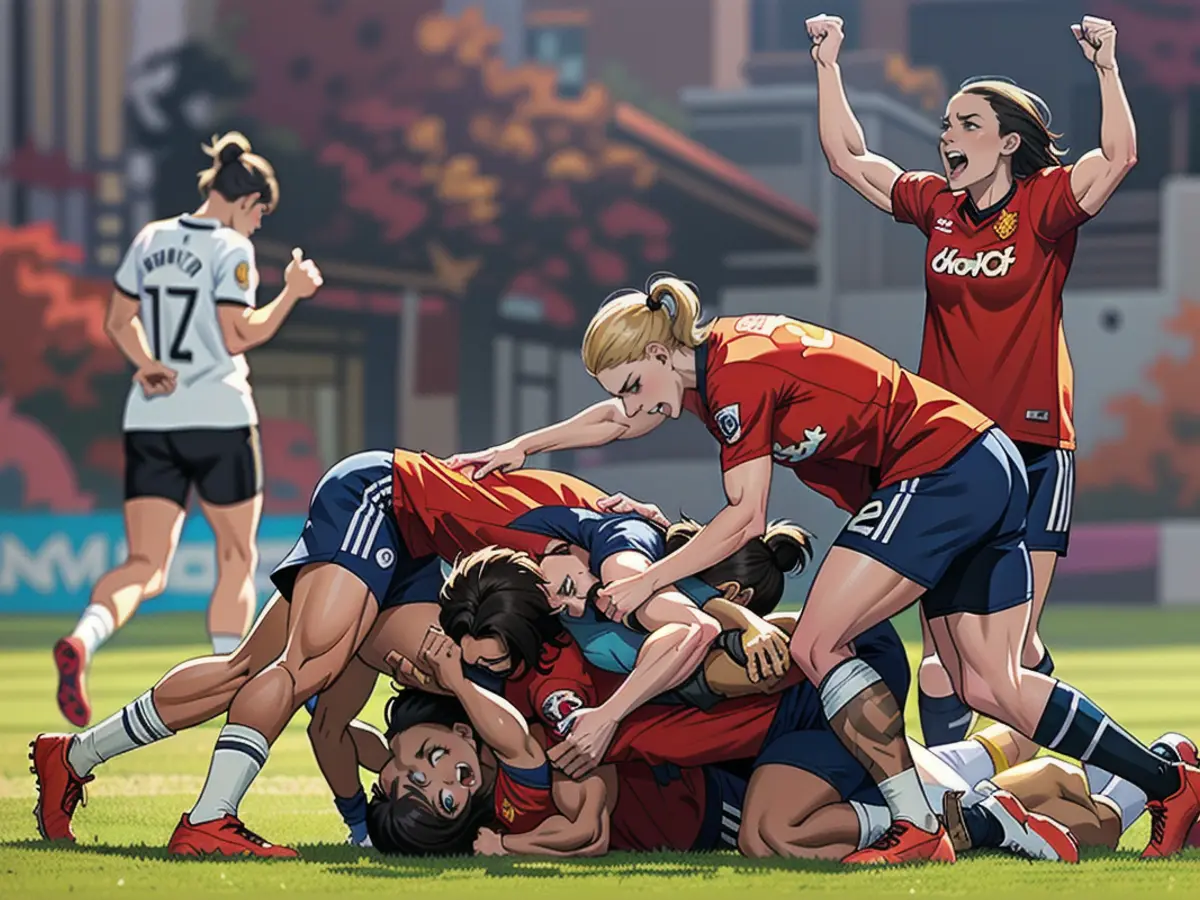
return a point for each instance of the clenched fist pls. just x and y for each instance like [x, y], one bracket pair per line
[827, 35]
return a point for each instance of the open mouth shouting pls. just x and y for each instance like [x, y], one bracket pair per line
[956, 162]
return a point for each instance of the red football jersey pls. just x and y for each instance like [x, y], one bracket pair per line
[993, 301]
[841, 415]
[445, 512]
[650, 816]
[654, 734]
[521, 806]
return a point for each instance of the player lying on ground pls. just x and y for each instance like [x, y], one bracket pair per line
[754, 574]
[424, 801]
[351, 551]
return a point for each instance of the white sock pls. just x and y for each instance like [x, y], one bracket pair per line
[1129, 798]
[905, 798]
[240, 754]
[224, 644]
[968, 759]
[873, 821]
[938, 777]
[1097, 778]
[137, 725]
[94, 627]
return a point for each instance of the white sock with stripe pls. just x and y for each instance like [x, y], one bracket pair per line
[95, 626]
[137, 725]
[873, 821]
[240, 754]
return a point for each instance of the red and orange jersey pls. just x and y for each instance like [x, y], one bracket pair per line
[524, 800]
[844, 417]
[447, 513]
[993, 310]
[650, 815]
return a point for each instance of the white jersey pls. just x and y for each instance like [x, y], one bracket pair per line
[179, 270]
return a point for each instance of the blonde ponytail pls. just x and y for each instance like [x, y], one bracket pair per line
[667, 313]
[235, 172]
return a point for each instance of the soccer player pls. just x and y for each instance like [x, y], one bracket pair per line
[938, 496]
[183, 312]
[1002, 222]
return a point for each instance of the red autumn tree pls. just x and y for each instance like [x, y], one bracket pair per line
[1153, 467]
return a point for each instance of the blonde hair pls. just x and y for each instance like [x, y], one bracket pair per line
[667, 313]
[236, 172]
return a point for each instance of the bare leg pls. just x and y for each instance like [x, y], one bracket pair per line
[152, 527]
[813, 823]
[945, 718]
[851, 594]
[231, 608]
[1043, 562]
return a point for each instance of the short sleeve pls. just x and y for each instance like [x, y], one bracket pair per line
[742, 397]
[912, 198]
[618, 534]
[236, 274]
[128, 279]
[1053, 204]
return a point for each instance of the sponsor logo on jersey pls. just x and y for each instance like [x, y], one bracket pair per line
[759, 323]
[1005, 225]
[558, 707]
[729, 422]
[945, 226]
[1037, 415]
[988, 263]
[385, 557]
[241, 274]
[794, 453]
[507, 811]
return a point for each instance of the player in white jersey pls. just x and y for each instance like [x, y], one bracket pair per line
[183, 313]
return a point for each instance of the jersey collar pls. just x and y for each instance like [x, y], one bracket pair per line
[977, 216]
[702, 373]
[198, 224]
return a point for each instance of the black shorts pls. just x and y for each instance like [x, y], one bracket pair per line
[225, 464]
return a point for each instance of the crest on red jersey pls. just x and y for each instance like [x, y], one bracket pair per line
[558, 708]
[729, 422]
[1005, 225]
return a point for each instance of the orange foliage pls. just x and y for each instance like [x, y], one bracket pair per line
[1156, 432]
[53, 337]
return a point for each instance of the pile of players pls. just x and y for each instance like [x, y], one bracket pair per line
[531, 723]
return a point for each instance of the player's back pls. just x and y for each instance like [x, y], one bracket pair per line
[180, 270]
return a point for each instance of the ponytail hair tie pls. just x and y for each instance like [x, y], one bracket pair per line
[230, 153]
[666, 300]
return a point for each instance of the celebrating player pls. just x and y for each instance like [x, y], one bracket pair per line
[1002, 224]
[183, 313]
[939, 497]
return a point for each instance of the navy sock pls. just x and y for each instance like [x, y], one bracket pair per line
[1045, 665]
[944, 720]
[1074, 726]
[354, 814]
[983, 827]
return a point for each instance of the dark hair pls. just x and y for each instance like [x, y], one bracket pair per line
[760, 564]
[1022, 113]
[500, 594]
[236, 172]
[401, 820]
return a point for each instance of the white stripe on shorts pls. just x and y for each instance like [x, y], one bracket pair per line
[908, 495]
[361, 520]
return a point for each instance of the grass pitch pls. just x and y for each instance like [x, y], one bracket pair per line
[1138, 663]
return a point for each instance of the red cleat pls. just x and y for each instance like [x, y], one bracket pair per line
[1033, 835]
[1180, 748]
[1172, 819]
[70, 658]
[59, 789]
[226, 836]
[904, 842]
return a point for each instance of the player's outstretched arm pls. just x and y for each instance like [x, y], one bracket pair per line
[1098, 173]
[842, 137]
[582, 827]
[599, 424]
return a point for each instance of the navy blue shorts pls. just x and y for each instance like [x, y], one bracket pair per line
[1051, 474]
[800, 735]
[351, 525]
[958, 531]
[724, 797]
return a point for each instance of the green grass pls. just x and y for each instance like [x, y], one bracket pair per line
[1138, 663]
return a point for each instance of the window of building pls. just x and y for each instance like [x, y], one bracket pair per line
[561, 47]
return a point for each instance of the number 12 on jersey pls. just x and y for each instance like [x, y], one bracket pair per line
[175, 298]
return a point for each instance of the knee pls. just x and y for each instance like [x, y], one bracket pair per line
[309, 676]
[237, 558]
[983, 690]
[752, 843]
[815, 654]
